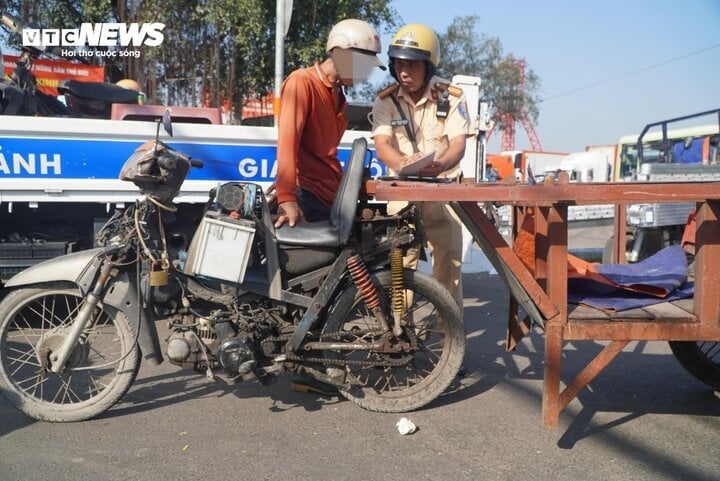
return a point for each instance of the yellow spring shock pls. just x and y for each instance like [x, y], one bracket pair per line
[398, 288]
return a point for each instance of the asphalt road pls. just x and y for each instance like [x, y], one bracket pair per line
[643, 418]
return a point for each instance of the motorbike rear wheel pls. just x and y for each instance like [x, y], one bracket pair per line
[407, 380]
[701, 359]
[99, 371]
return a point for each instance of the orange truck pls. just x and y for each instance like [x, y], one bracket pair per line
[515, 163]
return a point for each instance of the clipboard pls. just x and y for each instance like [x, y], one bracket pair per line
[418, 165]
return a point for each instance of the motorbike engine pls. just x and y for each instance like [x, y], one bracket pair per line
[191, 343]
[237, 357]
[184, 349]
[199, 343]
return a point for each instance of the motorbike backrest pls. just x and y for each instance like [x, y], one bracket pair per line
[335, 231]
[342, 212]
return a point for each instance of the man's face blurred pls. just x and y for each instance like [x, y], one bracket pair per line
[351, 66]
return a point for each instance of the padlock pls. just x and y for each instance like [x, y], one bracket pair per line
[159, 278]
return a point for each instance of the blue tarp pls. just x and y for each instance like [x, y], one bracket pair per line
[659, 278]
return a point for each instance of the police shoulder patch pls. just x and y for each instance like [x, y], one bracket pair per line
[387, 91]
[463, 110]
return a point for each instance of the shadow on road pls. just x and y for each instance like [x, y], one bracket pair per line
[644, 379]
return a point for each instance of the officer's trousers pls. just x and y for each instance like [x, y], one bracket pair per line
[443, 230]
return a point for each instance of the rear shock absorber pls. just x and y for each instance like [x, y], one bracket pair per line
[367, 289]
[398, 288]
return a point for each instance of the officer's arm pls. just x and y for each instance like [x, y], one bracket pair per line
[387, 152]
[454, 154]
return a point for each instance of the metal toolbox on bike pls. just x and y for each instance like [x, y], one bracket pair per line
[221, 248]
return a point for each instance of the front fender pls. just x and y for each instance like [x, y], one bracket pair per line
[80, 268]
[77, 267]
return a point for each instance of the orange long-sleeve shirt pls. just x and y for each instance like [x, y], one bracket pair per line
[310, 126]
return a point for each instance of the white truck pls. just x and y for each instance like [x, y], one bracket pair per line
[659, 154]
[59, 176]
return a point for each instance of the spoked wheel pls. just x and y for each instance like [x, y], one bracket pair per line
[101, 368]
[428, 354]
[701, 359]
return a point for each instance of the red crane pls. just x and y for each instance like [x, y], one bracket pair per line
[508, 136]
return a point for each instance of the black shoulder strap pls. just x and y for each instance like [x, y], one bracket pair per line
[408, 127]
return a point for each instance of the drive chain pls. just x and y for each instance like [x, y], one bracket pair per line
[343, 362]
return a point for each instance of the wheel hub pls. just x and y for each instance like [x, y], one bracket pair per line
[51, 342]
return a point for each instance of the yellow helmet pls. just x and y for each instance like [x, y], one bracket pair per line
[415, 42]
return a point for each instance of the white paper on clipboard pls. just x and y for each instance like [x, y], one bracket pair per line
[418, 165]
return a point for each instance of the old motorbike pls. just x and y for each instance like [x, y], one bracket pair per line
[243, 300]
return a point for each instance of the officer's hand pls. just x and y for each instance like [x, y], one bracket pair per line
[288, 212]
[413, 158]
[435, 168]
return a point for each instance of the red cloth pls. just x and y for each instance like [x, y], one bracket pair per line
[524, 247]
[310, 125]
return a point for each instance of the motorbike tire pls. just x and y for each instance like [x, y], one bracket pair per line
[701, 359]
[99, 371]
[430, 367]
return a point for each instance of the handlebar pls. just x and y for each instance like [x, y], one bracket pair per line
[196, 163]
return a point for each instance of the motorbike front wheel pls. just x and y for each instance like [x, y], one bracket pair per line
[101, 368]
[406, 380]
[701, 359]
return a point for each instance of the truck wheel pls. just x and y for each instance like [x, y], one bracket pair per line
[701, 359]
[609, 249]
[412, 376]
[101, 368]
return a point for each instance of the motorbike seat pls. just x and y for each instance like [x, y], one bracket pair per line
[107, 92]
[94, 99]
[336, 231]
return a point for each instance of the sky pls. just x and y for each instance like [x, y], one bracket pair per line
[607, 68]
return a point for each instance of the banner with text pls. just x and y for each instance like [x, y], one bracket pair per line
[49, 73]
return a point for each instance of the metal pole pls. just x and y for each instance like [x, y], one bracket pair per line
[279, 54]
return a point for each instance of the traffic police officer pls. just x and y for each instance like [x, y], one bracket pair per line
[420, 114]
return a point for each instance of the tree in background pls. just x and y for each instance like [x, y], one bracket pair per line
[466, 52]
[214, 51]
[222, 51]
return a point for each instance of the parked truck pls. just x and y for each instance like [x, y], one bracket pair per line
[660, 154]
[517, 163]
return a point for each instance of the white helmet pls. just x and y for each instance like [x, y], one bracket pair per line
[357, 35]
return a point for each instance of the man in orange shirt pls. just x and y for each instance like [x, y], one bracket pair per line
[311, 122]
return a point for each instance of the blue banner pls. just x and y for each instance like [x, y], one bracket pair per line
[28, 158]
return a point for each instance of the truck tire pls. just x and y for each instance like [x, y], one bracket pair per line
[699, 358]
[408, 379]
[99, 371]
[609, 249]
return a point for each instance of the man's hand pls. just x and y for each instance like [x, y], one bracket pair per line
[433, 170]
[289, 212]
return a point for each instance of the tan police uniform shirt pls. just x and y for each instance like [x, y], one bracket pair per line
[431, 132]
